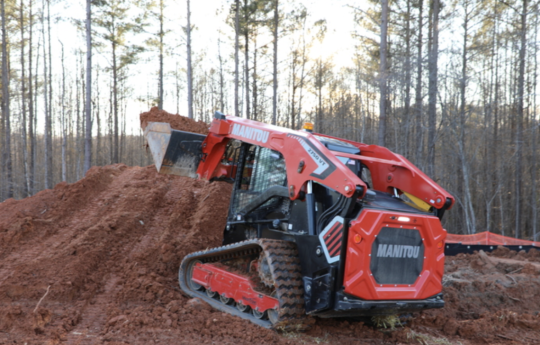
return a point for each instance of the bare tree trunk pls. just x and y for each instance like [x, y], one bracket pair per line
[495, 135]
[300, 93]
[383, 74]
[177, 81]
[110, 125]
[5, 108]
[88, 103]
[36, 94]
[221, 79]
[49, 85]
[189, 71]
[534, 163]
[288, 102]
[319, 98]
[468, 204]
[407, 104]
[26, 184]
[519, 134]
[116, 150]
[461, 130]
[78, 135]
[46, 134]
[123, 157]
[236, 53]
[275, 81]
[98, 158]
[31, 174]
[433, 73]
[418, 100]
[302, 73]
[293, 86]
[254, 89]
[490, 190]
[63, 120]
[246, 57]
[161, 34]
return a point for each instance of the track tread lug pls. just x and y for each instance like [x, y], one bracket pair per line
[285, 267]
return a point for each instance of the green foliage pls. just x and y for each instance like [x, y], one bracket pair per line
[252, 13]
[386, 321]
[115, 22]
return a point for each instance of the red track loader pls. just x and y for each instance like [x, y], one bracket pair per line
[317, 225]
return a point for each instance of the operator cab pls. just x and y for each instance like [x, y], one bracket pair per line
[354, 165]
[338, 145]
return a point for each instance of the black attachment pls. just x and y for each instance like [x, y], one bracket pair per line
[345, 236]
[451, 249]
[301, 166]
[330, 213]
[351, 202]
[318, 292]
[440, 212]
[347, 305]
[310, 205]
[183, 154]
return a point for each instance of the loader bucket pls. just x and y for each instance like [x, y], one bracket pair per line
[174, 152]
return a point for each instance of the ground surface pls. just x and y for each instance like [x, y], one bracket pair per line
[95, 262]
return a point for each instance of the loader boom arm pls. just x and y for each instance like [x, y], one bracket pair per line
[308, 159]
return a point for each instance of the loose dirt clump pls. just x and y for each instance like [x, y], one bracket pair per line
[489, 299]
[178, 122]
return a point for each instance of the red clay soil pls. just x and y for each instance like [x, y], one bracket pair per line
[176, 121]
[96, 262]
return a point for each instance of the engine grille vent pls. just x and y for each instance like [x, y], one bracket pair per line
[397, 256]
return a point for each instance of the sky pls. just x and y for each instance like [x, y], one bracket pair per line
[209, 18]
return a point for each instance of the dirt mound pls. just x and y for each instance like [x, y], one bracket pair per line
[96, 262]
[504, 252]
[489, 299]
[107, 245]
[176, 121]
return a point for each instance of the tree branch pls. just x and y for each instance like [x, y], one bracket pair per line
[374, 20]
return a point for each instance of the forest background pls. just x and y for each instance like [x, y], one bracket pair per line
[449, 84]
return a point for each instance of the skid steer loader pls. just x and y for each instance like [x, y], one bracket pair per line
[317, 225]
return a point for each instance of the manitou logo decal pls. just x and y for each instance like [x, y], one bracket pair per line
[397, 251]
[250, 133]
[321, 164]
[324, 166]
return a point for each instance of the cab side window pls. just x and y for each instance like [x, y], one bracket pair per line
[263, 168]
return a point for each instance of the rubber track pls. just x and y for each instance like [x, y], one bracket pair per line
[284, 265]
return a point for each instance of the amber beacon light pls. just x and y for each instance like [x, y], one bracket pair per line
[308, 126]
